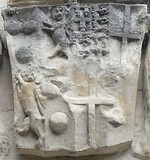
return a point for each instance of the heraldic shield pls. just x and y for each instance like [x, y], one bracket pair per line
[75, 70]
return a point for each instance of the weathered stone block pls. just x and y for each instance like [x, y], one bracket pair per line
[75, 70]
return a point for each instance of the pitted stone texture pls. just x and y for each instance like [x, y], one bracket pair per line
[29, 27]
[4, 145]
[24, 55]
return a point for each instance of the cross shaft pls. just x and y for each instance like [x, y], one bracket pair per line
[91, 102]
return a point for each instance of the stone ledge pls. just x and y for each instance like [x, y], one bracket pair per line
[17, 3]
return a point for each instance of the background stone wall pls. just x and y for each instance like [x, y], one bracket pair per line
[7, 136]
[7, 145]
[3, 5]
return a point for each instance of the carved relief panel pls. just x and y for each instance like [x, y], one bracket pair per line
[75, 71]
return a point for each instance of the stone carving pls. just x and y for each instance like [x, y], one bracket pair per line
[79, 24]
[4, 145]
[59, 122]
[30, 100]
[29, 27]
[24, 55]
[86, 58]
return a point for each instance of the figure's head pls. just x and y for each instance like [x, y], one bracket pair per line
[78, 14]
[103, 38]
[86, 12]
[58, 13]
[95, 14]
[28, 75]
[95, 24]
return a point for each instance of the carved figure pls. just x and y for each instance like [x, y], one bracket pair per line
[58, 29]
[30, 99]
[82, 97]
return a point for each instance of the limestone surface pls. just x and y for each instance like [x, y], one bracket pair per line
[75, 76]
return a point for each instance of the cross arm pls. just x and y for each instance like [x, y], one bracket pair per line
[88, 100]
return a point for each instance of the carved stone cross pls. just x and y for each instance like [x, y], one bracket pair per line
[127, 32]
[91, 101]
[87, 97]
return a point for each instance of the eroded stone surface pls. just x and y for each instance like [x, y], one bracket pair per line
[80, 63]
[141, 146]
[24, 55]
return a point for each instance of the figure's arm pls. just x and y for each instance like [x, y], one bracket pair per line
[48, 27]
[39, 96]
[47, 24]
[38, 99]
[19, 93]
[20, 79]
[18, 89]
